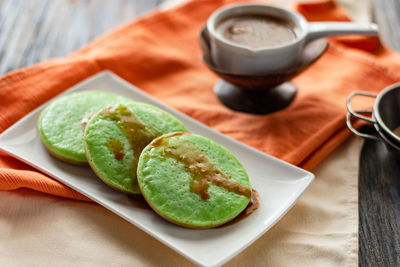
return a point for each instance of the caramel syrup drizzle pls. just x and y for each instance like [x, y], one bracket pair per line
[253, 205]
[201, 168]
[138, 134]
[117, 147]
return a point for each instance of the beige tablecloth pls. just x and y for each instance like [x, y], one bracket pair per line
[320, 230]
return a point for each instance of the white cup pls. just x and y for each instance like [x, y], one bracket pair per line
[239, 59]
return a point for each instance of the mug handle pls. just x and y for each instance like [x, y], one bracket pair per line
[323, 29]
[358, 114]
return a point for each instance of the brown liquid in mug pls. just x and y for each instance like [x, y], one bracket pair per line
[256, 31]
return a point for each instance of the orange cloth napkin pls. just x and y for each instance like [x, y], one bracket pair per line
[160, 54]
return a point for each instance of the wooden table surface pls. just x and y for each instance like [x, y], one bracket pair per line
[379, 204]
[36, 30]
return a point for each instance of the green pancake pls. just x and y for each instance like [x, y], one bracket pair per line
[62, 122]
[192, 181]
[115, 136]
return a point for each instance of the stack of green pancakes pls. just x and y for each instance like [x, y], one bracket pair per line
[137, 148]
[62, 122]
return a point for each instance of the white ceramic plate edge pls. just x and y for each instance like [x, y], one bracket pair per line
[309, 177]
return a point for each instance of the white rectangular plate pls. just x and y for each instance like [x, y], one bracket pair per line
[278, 183]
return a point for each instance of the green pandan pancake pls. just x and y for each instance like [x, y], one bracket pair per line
[192, 181]
[62, 122]
[115, 136]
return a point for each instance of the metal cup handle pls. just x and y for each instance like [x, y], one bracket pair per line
[358, 114]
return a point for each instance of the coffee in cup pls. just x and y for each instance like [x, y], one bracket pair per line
[256, 31]
[259, 39]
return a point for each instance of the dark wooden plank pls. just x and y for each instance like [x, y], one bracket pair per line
[9, 20]
[379, 205]
[36, 30]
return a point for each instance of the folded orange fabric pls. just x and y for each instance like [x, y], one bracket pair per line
[160, 54]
